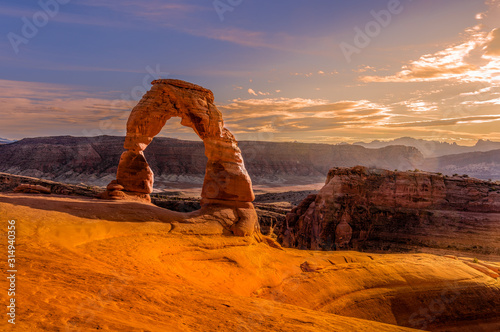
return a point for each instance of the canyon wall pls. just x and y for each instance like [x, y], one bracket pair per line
[94, 160]
[361, 208]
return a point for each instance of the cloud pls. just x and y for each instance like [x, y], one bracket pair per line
[289, 115]
[477, 59]
[448, 122]
[364, 68]
[150, 10]
[252, 92]
[420, 106]
[446, 64]
[34, 109]
[477, 92]
[189, 17]
[490, 13]
[311, 74]
[41, 109]
[495, 101]
[493, 45]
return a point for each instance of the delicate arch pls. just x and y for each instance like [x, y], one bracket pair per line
[227, 189]
[226, 178]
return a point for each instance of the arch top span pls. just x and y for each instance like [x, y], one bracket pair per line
[226, 179]
[184, 85]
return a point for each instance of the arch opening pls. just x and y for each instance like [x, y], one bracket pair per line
[177, 158]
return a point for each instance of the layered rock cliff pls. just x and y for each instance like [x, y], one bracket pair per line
[481, 165]
[94, 160]
[373, 208]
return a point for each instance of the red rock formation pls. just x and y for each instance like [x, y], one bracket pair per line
[360, 207]
[32, 189]
[226, 183]
[9, 182]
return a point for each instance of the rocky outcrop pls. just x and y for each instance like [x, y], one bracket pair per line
[373, 208]
[16, 183]
[226, 183]
[32, 189]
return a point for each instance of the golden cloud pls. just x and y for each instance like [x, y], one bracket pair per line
[493, 45]
[297, 114]
[32, 109]
[449, 122]
[474, 60]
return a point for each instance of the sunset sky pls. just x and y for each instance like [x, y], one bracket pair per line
[288, 70]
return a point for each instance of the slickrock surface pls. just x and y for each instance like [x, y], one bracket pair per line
[88, 264]
[227, 184]
[378, 209]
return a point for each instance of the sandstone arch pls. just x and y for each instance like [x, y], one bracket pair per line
[226, 183]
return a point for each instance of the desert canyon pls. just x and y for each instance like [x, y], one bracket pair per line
[372, 250]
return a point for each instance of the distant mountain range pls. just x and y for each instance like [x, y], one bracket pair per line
[481, 165]
[5, 141]
[434, 148]
[179, 164]
[94, 160]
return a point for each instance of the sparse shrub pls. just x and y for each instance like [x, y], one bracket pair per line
[476, 260]
[465, 176]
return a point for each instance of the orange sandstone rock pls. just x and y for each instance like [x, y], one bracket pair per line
[378, 209]
[483, 269]
[226, 180]
[32, 188]
[134, 173]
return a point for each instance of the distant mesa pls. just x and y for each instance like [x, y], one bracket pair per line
[226, 184]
